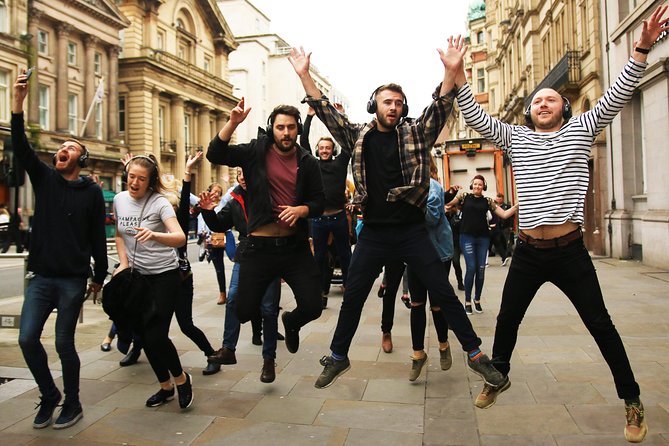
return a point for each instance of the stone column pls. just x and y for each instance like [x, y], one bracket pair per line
[178, 134]
[111, 83]
[204, 139]
[90, 43]
[62, 32]
[155, 107]
[33, 95]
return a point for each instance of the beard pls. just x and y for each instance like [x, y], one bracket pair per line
[285, 145]
[546, 125]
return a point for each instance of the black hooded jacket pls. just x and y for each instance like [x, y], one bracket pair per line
[68, 226]
[252, 158]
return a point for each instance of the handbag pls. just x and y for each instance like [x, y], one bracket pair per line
[218, 239]
[124, 296]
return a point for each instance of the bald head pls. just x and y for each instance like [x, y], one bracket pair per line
[546, 110]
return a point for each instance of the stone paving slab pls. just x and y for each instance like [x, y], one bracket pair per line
[562, 391]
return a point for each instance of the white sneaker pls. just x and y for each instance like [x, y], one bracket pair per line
[505, 261]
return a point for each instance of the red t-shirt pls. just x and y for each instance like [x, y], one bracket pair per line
[282, 177]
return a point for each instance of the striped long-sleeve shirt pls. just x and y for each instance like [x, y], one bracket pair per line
[551, 169]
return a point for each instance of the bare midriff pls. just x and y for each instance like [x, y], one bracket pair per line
[273, 230]
[545, 232]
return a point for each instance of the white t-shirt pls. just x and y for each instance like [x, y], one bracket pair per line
[149, 257]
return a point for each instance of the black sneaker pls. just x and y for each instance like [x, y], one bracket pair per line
[211, 369]
[468, 308]
[186, 393]
[477, 307]
[45, 413]
[292, 335]
[256, 339]
[381, 292]
[70, 414]
[333, 370]
[161, 397]
[461, 286]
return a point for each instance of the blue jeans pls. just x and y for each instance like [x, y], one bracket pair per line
[475, 250]
[269, 309]
[410, 244]
[321, 228]
[217, 255]
[42, 296]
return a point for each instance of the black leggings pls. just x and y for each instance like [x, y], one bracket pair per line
[418, 318]
[159, 349]
[184, 313]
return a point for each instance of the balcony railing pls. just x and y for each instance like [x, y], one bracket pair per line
[189, 71]
[567, 72]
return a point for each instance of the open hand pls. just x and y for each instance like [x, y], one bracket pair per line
[653, 27]
[453, 57]
[300, 61]
[207, 201]
[192, 159]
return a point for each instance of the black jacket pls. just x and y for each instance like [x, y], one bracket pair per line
[233, 214]
[252, 158]
[69, 222]
[333, 171]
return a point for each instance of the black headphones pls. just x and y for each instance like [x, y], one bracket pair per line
[371, 104]
[83, 158]
[335, 152]
[566, 111]
[270, 123]
[153, 180]
[485, 183]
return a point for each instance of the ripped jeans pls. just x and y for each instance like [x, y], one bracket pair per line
[475, 251]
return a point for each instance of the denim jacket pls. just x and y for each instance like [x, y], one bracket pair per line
[437, 223]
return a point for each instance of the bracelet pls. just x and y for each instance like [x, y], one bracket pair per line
[642, 50]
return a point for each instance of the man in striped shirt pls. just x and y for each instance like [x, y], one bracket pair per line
[550, 165]
[390, 158]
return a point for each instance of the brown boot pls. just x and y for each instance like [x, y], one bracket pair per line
[222, 298]
[223, 356]
[387, 342]
[268, 373]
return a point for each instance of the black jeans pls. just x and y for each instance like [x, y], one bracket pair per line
[418, 319]
[159, 349]
[394, 272]
[261, 262]
[571, 270]
[184, 314]
[410, 244]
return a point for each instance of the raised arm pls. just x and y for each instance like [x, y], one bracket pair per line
[344, 132]
[306, 129]
[219, 150]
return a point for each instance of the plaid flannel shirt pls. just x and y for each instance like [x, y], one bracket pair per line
[415, 137]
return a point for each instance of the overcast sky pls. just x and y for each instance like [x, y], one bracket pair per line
[361, 44]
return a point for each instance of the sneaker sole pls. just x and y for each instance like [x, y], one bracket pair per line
[504, 388]
[165, 401]
[334, 379]
[644, 431]
[72, 422]
[43, 425]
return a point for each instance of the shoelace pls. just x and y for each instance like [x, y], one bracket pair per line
[326, 361]
[634, 415]
[487, 389]
[37, 405]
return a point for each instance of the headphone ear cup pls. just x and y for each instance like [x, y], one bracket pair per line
[83, 160]
[471, 185]
[371, 105]
[405, 108]
[566, 109]
[485, 185]
[124, 176]
[528, 115]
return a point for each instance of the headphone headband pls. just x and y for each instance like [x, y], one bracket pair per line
[153, 180]
[371, 104]
[566, 111]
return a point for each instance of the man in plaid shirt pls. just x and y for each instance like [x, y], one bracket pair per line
[390, 157]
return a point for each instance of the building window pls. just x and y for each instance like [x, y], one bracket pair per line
[72, 114]
[4, 17]
[71, 53]
[160, 40]
[4, 96]
[187, 131]
[42, 42]
[98, 121]
[480, 37]
[121, 114]
[207, 64]
[480, 80]
[97, 63]
[43, 107]
[161, 125]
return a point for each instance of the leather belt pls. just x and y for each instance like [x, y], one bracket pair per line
[272, 242]
[557, 242]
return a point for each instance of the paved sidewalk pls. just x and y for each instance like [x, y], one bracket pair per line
[562, 392]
